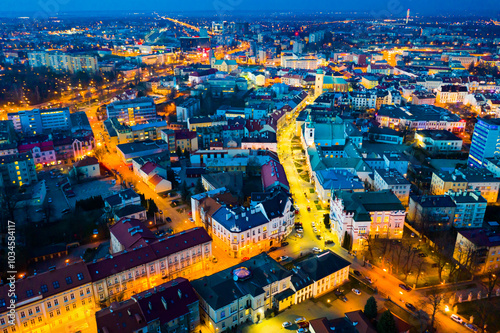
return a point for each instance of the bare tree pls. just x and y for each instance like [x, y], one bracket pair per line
[434, 299]
[419, 264]
[441, 262]
[491, 283]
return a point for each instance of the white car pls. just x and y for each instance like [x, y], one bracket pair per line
[286, 324]
[191, 220]
[316, 249]
[368, 280]
[312, 223]
[300, 230]
[356, 291]
[457, 319]
[315, 230]
[282, 258]
[299, 320]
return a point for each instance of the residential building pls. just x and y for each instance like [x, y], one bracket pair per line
[265, 224]
[273, 175]
[223, 65]
[471, 207]
[387, 179]
[385, 135]
[423, 97]
[42, 151]
[432, 212]
[33, 122]
[187, 109]
[53, 301]
[485, 142]
[242, 292]
[438, 141]
[121, 199]
[134, 111]
[66, 62]
[18, 169]
[169, 307]
[367, 214]
[130, 212]
[482, 180]
[127, 273]
[451, 94]
[186, 140]
[128, 234]
[478, 250]
[442, 182]
[86, 168]
[369, 82]
[336, 179]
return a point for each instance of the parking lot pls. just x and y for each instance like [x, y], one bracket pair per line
[97, 187]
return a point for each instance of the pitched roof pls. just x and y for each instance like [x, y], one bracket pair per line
[322, 265]
[148, 167]
[131, 233]
[89, 160]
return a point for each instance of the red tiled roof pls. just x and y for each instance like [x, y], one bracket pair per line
[156, 179]
[131, 233]
[148, 167]
[47, 284]
[273, 172]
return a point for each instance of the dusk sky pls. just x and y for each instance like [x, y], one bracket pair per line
[397, 7]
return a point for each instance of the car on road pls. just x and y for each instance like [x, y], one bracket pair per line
[245, 259]
[457, 319]
[343, 298]
[282, 258]
[299, 235]
[303, 324]
[410, 306]
[300, 230]
[404, 287]
[319, 237]
[286, 324]
[214, 259]
[191, 220]
[368, 280]
[315, 230]
[284, 243]
[472, 327]
[274, 248]
[299, 319]
[356, 291]
[356, 272]
[316, 249]
[308, 208]
[329, 241]
[168, 219]
[302, 330]
[313, 224]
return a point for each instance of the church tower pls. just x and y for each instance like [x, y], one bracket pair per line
[318, 86]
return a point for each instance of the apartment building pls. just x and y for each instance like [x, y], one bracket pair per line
[133, 111]
[18, 169]
[485, 142]
[432, 212]
[451, 94]
[387, 179]
[66, 62]
[438, 141]
[33, 122]
[265, 224]
[478, 250]
[470, 210]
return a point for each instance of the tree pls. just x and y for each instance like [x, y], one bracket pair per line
[371, 308]
[184, 191]
[492, 282]
[346, 243]
[178, 151]
[387, 324]
[434, 298]
[326, 221]
[152, 208]
[199, 187]
[186, 153]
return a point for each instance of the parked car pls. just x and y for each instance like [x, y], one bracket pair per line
[312, 224]
[368, 280]
[191, 220]
[302, 330]
[245, 259]
[343, 299]
[472, 327]
[457, 319]
[274, 248]
[422, 255]
[284, 243]
[404, 287]
[299, 319]
[168, 219]
[319, 237]
[410, 306]
[356, 291]
[316, 249]
[65, 211]
[329, 241]
[286, 324]
[300, 230]
[303, 324]
[356, 272]
[299, 235]
[308, 208]
[282, 258]
[214, 259]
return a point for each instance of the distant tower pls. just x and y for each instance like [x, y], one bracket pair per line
[309, 131]
[407, 15]
[318, 86]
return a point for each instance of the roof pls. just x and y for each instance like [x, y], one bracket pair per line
[89, 160]
[148, 167]
[417, 113]
[360, 321]
[221, 289]
[129, 209]
[165, 302]
[46, 284]
[118, 198]
[433, 200]
[156, 179]
[437, 135]
[161, 248]
[273, 173]
[363, 203]
[392, 177]
[481, 237]
[322, 265]
[131, 233]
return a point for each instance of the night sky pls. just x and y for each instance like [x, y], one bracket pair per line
[396, 7]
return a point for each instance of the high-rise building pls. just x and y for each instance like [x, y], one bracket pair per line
[32, 122]
[17, 169]
[133, 111]
[485, 142]
[61, 61]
